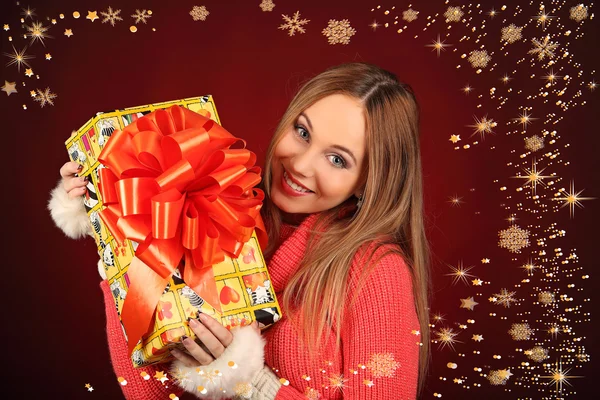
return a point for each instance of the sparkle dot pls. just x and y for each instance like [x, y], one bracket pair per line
[76, 14]
[61, 16]
[133, 28]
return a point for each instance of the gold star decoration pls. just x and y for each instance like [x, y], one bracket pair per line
[505, 79]
[409, 15]
[542, 18]
[514, 239]
[368, 382]
[511, 33]
[293, 24]
[505, 298]
[199, 13]
[9, 88]
[460, 273]
[438, 45]
[37, 31]
[476, 282]
[19, 58]
[33, 93]
[468, 303]
[467, 89]
[483, 126]
[455, 201]
[533, 176]
[525, 119]
[92, 15]
[6, 27]
[89, 387]
[338, 382]
[48, 56]
[68, 32]
[529, 267]
[454, 138]
[572, 199]
[374, 25]
[558, 376]
[544, 48]
[267, 5]
[485, 261]
[29, 72]
[111, 16]
[338, 32]
[161, 376]
[446, 337]
[477, 338]
[551, 76]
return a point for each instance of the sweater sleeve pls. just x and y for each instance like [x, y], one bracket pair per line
[380, 339]
[137, 388]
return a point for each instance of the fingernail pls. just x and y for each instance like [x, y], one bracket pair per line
[183, 337]
[203, 317]
[193, 322]
[79, 167]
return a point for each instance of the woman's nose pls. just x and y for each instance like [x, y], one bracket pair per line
[303, 164]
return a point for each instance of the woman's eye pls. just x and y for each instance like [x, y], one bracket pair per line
[338, 161]
[303, 133]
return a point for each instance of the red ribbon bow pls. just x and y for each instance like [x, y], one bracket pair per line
[173, 185]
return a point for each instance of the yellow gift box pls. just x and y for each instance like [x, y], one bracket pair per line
[242, 283]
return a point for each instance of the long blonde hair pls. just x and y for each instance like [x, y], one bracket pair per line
[392, 209]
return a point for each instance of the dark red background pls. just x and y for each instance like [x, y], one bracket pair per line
[53, 322]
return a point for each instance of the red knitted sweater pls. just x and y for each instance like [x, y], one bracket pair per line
[380, 337]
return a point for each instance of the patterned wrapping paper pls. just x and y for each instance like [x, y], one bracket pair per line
[243, 283]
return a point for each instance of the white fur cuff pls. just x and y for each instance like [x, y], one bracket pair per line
[69, 214]
[238, 365]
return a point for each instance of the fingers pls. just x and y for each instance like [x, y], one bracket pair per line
[213, 338]
[197, 353]
[186, 359]
[219, 331]
[69, 169]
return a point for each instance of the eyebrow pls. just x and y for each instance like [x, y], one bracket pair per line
[335, 146]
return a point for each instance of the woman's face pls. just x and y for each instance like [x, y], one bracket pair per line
[322, 155]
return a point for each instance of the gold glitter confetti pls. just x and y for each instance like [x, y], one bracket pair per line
[546, 297]
[133, 29]
[267, 5]
[438, 45]
[337, 382]
[294, 23]
[479, 58]
[311, 393]
[76, 14]
[28, 12]
[579, 13]
[534, 143]
[122, 381]
[537, 354]
[409, 15]
[45, 97]
[520, 331]
[453, 14]
[499, 376]
[141, 16]
[446, 337]
[483, 126]
[243, 390]
[9, 88]
[339, 31]
[572, 199]
[558, 376]
[511, 33]
[382, 364]
[111, 16]
[514, 239]
[199, 13]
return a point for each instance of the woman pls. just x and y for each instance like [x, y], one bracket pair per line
[347, 256]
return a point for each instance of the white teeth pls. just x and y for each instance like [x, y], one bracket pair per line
[293, 185]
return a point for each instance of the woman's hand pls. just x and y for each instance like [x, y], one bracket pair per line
[73, 185]
[212, 334]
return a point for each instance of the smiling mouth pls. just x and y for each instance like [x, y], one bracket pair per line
[293, 185]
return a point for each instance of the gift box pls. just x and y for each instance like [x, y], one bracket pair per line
[176, 219]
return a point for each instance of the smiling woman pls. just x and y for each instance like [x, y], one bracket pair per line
[353, 275]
